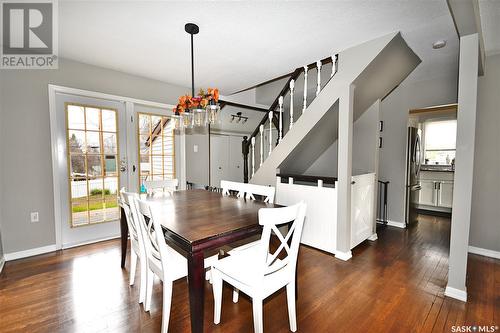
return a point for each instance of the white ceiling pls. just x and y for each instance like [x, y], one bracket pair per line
[490, 21]
[245, 43]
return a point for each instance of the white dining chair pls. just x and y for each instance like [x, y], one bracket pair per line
[259, 273]
[166, 185]
[249, 190]
[162, 260]
[267, 192]
[228, 186]
[137, 246]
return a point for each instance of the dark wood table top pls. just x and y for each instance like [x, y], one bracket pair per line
[195, 217]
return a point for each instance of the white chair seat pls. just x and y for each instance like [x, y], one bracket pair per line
[243, 247]
[178, 266]
[243, 266]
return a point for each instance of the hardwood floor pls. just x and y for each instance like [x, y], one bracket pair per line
[394, 284]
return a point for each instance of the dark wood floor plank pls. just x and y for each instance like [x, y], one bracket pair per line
[395, 284]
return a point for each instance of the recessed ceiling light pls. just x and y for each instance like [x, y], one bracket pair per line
[439, 44]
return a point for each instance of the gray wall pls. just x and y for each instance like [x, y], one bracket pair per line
[364, 148]
[485, 220]
[25, 168]
[197, 163]
[394, 114]
[1, 159]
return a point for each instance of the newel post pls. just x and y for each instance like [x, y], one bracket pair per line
[244, 150]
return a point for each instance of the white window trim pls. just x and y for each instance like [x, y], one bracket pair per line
[57, 150]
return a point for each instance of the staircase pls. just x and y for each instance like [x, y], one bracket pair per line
[294, 129]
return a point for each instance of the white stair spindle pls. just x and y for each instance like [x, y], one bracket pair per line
[305, 89]
[280, 101]
[261, 129]
[253, 156]
[270, 133]
[318, 87]
[292, 87]
[334, 65]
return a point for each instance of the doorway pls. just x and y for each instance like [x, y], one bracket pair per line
[436, 128]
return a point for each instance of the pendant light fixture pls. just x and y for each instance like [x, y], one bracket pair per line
[200, 110]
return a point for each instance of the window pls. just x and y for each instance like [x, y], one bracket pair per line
[440, 141]
[156, 147]
[92, 163]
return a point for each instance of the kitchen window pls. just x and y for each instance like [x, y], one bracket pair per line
[440, 141]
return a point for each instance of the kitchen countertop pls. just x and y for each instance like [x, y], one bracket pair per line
[436, 168]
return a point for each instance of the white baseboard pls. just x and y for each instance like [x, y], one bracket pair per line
[71, 245]
[484, 252]
[455, 293]
[30, 252]
[373, 237]
[2, 263]
[396, 224]
[343, 255]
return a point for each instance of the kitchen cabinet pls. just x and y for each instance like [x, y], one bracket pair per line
[427, 193]
[445, 198]
[436, 191]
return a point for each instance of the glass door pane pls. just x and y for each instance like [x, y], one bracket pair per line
[93, 155]
[156, 154]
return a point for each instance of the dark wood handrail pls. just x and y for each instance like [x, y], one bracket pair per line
[293, 76]
[223, 103]
[309, 178]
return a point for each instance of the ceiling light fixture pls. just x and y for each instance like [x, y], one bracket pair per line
[239, 118]
[439, 44]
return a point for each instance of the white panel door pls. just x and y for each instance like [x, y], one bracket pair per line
[362, 203]
[219, 159]
[235, 159]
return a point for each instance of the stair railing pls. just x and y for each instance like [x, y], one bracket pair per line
[273, 121]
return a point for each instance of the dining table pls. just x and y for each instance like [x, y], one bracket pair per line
[197, 223]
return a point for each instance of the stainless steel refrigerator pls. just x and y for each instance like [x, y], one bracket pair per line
[413, 162]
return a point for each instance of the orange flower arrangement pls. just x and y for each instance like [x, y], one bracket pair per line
[187, 102]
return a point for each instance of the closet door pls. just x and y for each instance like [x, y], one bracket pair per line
[235, 159]
[219, 157]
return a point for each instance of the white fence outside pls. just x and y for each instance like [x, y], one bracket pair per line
[79, 188]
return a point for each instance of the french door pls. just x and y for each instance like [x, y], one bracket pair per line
[95, 133]
[105, 145]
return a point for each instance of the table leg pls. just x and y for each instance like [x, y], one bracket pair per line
[123, 235]
[196, 280]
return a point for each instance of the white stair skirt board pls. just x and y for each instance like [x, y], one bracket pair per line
[484, 252]
[30, 252]
[343, 255]
[455, 293]
[373, 237]
[2, 263]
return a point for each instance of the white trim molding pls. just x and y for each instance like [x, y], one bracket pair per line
[343, 255]
[77, 244]
[484, 252]
[2, 264]
[373, 237]
[455, 293]
[29, 253]
[396, 224]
